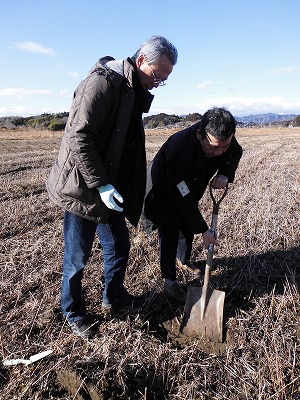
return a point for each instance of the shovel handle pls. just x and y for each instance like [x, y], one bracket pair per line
[217, 202]
[214, 219]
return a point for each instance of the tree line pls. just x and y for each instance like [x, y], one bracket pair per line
[57, 121]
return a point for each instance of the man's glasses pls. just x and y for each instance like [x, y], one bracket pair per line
[156, 80]
[218, 146]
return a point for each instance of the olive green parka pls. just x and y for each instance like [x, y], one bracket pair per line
[92, 145]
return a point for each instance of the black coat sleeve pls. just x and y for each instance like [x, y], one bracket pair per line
[172, 176]
[180, 174]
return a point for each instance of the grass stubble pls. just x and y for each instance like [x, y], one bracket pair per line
[136, 355]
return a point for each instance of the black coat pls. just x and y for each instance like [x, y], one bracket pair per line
[181, 159]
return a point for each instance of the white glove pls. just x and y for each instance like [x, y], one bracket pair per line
[108, 193]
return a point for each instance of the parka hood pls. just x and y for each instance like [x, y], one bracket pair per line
[111, 69]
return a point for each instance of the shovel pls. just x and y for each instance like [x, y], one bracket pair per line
[204, 305]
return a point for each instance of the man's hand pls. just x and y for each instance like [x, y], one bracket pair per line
[219, 182]
[208, 238]
[108, 195]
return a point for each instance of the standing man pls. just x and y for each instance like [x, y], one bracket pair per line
[179, 175]
[99, 175]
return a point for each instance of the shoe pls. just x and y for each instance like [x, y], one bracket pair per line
[125, 301]
[81, 328]
[175, 292]
[190, 267]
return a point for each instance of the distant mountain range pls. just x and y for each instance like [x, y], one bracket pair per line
[58, 121]
[266, 118]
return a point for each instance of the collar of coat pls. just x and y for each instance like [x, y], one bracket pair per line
[116, 70]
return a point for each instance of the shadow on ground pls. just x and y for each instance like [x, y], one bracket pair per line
[243, 279]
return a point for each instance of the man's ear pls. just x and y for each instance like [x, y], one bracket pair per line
[140, 60]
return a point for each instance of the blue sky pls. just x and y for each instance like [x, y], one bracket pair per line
[241, 54]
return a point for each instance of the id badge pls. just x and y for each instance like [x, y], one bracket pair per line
[183, 188]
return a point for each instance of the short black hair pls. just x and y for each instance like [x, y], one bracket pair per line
[217, 122]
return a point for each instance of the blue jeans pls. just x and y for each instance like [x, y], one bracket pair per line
[79, 234]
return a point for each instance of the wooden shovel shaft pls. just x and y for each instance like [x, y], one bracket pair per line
[208, 267]
[210, 251]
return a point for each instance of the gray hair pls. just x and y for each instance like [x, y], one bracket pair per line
[217, 122]
[154, 47]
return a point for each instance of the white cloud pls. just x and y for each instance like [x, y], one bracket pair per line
[26, 111]
[21, 92]
[73, 74]
[247, 105]
[239, 106]
[284, 70]
[160, 110]
[34, 47]
[204, 85]
[64, 94]
[16, 110]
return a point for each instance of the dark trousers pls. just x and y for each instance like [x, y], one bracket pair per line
[169, 234]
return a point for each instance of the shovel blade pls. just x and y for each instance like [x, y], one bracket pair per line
[204, 320]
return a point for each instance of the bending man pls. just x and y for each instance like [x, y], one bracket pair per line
[178, 177]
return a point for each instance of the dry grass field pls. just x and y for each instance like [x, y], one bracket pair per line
[141, 353]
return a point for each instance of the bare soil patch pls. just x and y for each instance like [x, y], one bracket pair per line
[141, 353]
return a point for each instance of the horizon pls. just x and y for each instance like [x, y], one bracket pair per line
[246, 62]
[152, 115]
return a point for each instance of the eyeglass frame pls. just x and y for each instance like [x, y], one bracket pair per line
[156, 80]
[202, 137]
[214, 147]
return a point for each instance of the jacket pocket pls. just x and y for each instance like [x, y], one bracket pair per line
[74, 186]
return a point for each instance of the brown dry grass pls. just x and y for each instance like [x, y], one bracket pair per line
[139, 354]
